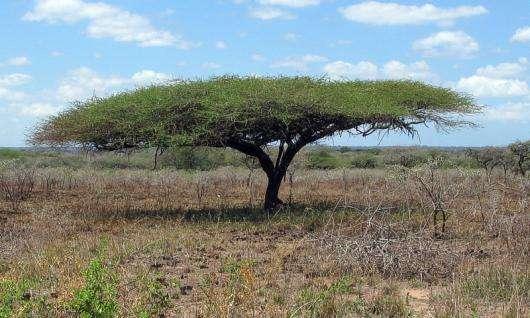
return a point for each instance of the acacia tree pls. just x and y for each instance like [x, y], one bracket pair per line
[250, 114]
[488, 158]
[521, 151]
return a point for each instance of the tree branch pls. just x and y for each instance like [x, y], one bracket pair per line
[252, 150]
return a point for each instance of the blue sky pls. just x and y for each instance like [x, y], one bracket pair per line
[57, 51]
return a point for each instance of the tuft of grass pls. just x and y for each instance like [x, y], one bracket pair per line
[323, 302]
[390, 303]
[157, 296]
[497, 285]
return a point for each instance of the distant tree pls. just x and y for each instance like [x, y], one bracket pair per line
[488, 158]
[507, 161]
[521, 151]
[250, 114]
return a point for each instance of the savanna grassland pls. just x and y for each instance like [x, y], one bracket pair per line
[86, 233]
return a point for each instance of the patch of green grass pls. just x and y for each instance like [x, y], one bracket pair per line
[8, 154]
[322, 302]
[12, 297]
[497, 285]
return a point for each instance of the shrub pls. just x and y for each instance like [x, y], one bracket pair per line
[97, 298]
[405, 158]
[521, 152]
[189, 159]
[323, 159]
[157, 297]
[8, 154]
[16, 184]
[364, 161]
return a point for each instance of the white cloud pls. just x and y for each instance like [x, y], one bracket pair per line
[6, 84]
[14, 79]
[417, 71]
[341, 70]
[365, 70]
[504, 70]
[521, 35]
[83, 82]
[78, 84]
[56, 53]
[518, 112]
[291, 3]
[149, 77]
[221, 45]
[447, 43]
[16, 61]
[483, 86]
[36, 109]
[501, 80]
[11, 95]
[389, 13]
[269, 13]
[299, 63]
[105, 21]
[211, 65]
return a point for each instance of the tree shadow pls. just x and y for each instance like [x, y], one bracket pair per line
[233, 214]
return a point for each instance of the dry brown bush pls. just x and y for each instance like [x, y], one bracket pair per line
[17, 184]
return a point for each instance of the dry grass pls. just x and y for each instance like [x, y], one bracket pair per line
[195, 244]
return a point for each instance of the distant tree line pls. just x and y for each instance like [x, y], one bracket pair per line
[515, 157]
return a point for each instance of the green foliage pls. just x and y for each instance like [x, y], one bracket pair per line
[322, 302]
[98, 297]
[259, 110]
[157, 295]
[323, 159]
[12, 296]
[7, 154]
[521, 153]
[18, 300]
[364, 161]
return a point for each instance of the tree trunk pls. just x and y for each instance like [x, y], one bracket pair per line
[521, 168]
[275, 172]
[272, 201]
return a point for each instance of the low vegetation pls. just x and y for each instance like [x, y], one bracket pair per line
[107, 235]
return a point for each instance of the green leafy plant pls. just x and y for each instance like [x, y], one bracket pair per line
[97, 298]
[11, 296]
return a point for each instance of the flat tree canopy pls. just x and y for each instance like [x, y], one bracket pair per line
[250, 113]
